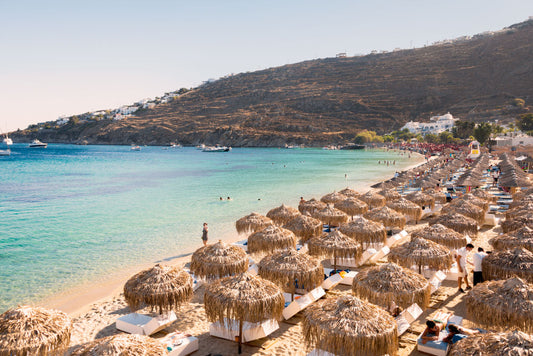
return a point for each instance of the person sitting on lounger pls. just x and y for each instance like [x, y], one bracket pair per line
[456, 333]
[431, 333]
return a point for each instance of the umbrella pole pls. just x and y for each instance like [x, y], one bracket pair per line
[420, 269]
[240, 337]
[334, 261]
[293, 290]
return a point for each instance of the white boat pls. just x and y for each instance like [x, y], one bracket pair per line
[8, 141]
[175, 145]
[216, 149]
[38, 144]
[5, 152]
[135, 148]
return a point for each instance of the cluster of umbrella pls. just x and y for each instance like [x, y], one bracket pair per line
[512, 175]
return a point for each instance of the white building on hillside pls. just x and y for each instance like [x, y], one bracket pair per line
[436, 125]
[128, 110]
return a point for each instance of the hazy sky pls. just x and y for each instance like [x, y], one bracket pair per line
[70, 57]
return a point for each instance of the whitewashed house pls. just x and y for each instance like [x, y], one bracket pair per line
[127, 110]
[436, 125]
[62, 120]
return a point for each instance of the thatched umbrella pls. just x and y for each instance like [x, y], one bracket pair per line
[332, 198]
[522, 193]
[508, 263]
[218, 260]
[310, 206]
[350, 193]
[373, 199]
[305, 227]
[288, 267]
[334, 244]
[516, 223]
[472, 199]
[437, 195]
[483, 194]
[421, 199]
[270, 239]
[122, 345]
[388, 283]
[346, 325]
[387, 216]
[465, 208]
[442, 235]
[426, 183]
[502, 304]
[34, 331]
[457, 222]
[243, 297]
[513, 343]
[252, 223]
[406, 207]
[165, 287]
[515, 203]
[365, 231]
[352, 206]
[330, 215]
[522, 237]
[523, 209]
[390, 194]
[420, 252]
[282, 214]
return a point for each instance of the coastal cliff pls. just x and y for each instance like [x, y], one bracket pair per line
[324, 101]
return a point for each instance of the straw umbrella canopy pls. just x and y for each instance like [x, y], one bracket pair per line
[465, 208]
[29, 330]
[426, 182]
[421, 252]
[243, 297]
[458, 222]
[387, 216]
[346, 325]
[218, 260]
[332, 198]
[442, 235]
[421, 199]
[365, 231]
[479, 202]
[331, 216]
[334, 244]
[515, 203]
[165, 287]
[502, 304]
[522, 237]
[282, 214]
[483, 194]
[122, 345]
[310, 206]
[390, 194]
[508, 263]
[252, 223]
[523, 209]
[352, 206]
[522, 193]
[514, 343]
[373, 199]
[437, 195]
[406, 207]
[389, 283]
[516, 223]
[270, 239]
[304, 227]
[350, 193]
[289, 268]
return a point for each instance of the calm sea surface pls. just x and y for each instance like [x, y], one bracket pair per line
[72, 214]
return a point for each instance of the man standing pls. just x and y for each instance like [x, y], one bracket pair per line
[478, 257]
[461, 266]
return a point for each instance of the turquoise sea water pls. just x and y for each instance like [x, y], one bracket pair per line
[72, 214]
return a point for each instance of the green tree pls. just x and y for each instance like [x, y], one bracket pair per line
[463, 129]
[388, 138]
[431, 138]
[525, 123]
[445, 137]
[74, 120]
[497, 129]
[482, 132]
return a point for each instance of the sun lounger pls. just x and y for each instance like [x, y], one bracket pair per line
[453, 273]
[250, 331]
[438, 347]
[242, 244]
[178, 344]
[318, 352]
[384, 251]
[333, 280]
[491, 220]
[396, 239]
[407, 317]
[436, 280]
[303, 302]
[253, 270]
[196, 282]
[302, 248]
[140, 324]
[347, 276]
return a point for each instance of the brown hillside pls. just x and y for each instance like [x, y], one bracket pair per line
[329, 100]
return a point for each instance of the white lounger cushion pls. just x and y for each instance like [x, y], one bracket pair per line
[303, 302]
[436, 280]
[384, 251]
[407, 317]
[242, 244]
[178, 344]
[250, 331]
[332, 281]
[318, 352]
[348, 278]
[143, 324]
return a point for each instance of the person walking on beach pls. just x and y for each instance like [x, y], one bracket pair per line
[478, 257]
[462, 272]
[204, 234]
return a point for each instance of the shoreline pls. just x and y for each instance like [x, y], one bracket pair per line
[79, 299]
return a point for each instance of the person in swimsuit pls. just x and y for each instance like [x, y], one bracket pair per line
[431, 333]
[204, 234]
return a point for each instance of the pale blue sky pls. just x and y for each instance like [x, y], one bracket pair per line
[69, 57]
